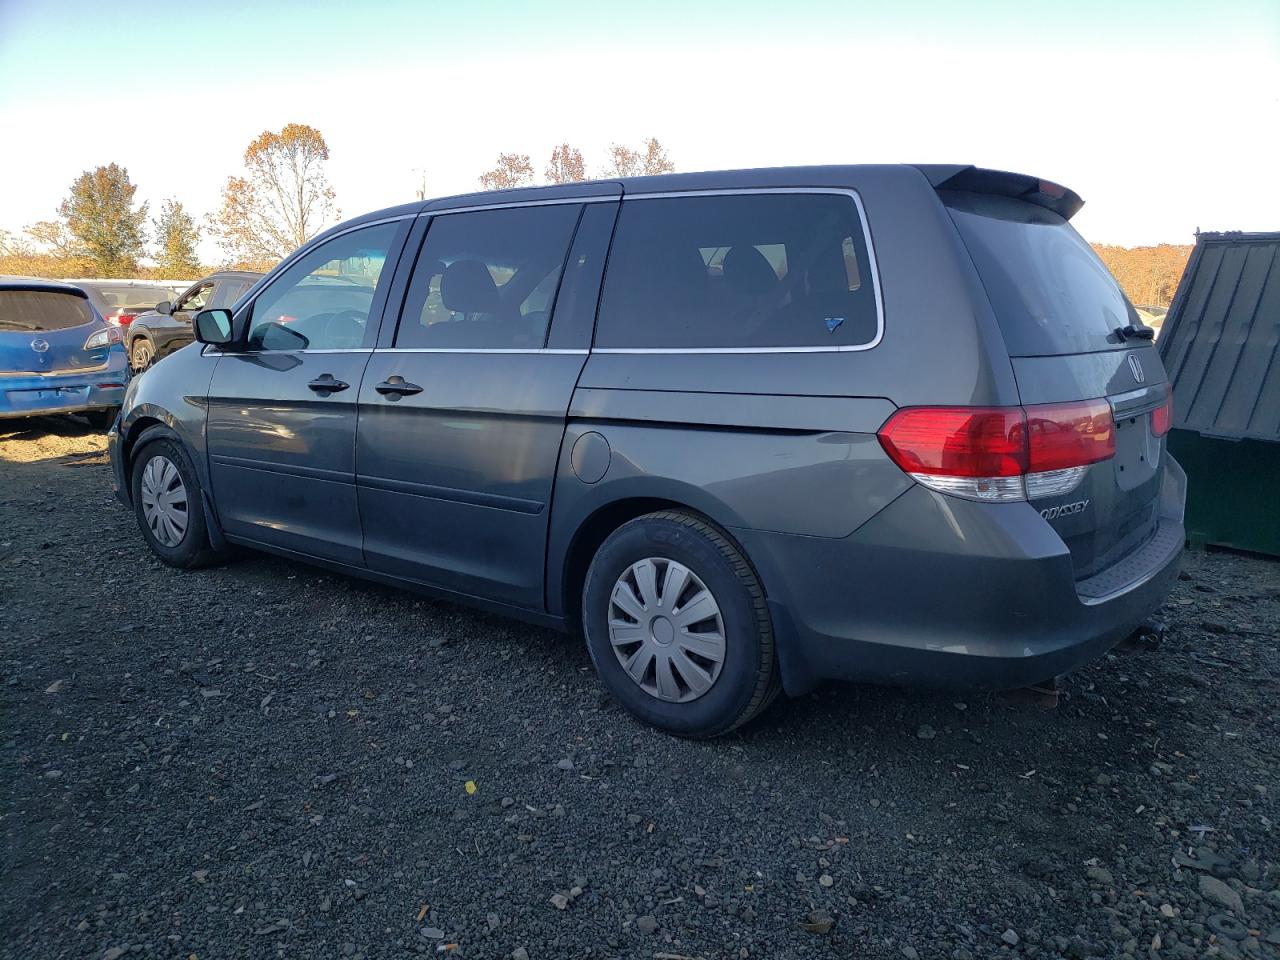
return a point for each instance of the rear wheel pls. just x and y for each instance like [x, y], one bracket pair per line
[101, 419]
[167, 503]
[141, 355]
[677, 626]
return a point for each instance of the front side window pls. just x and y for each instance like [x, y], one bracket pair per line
[487, 280]
[196, 300]
[322, 301]
[740, 271]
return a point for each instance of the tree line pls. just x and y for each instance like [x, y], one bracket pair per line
[566, 165]
[282, 198]
[1149, 275]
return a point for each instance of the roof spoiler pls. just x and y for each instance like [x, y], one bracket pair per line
[35, 285]
[1043, 193]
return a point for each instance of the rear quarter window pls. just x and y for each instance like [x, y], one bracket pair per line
[1050, 292]
[743, 271]
[42, 311]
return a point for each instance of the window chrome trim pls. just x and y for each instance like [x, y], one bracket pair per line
[211, 350]
[550, 350]
[872, 264]
[508, 204]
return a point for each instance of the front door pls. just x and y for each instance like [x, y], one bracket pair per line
[282, 412]
[462, 414]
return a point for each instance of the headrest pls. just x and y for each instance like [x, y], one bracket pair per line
[468, 287]
[748, 271]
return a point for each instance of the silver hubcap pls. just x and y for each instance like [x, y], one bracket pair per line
[666, 630]
[164, 501]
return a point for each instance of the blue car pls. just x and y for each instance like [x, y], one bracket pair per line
[57, 353]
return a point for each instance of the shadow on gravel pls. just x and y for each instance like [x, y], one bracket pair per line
[34, 428]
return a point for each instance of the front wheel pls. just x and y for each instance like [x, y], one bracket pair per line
[141, 355]
[167, 503]
[677, 626]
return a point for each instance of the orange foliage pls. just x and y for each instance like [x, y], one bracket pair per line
[1149, 275]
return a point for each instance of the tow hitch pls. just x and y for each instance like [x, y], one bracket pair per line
[1149, 635]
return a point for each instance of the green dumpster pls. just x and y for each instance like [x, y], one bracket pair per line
[1221, 346]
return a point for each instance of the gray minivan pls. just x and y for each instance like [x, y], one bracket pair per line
[744, 431]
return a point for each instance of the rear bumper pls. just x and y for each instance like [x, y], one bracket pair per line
[40, 394]
[937, 591]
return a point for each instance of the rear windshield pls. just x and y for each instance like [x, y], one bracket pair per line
[42, 310]
[1050, 292]
[136, 298]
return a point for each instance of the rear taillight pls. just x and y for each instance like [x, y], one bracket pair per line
[103, 338]
[1000, 453]
[1162, 417]
[120, 319]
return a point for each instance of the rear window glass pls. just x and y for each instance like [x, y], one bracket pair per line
[41, 310]
[741, 271]
[129, 297]
[1050, 292]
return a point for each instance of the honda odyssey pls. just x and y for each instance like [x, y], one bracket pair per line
[741, 431]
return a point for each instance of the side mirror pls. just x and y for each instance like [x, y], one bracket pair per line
[213, 327]
[164, 307]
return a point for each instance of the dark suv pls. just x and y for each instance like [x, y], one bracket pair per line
[158, 333]
[745, 430]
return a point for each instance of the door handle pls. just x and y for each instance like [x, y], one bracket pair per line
[395, 387]
[325, 383]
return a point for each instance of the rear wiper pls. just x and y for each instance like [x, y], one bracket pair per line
[1136, 331]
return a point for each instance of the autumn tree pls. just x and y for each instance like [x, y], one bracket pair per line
[1148, 275]
[282, 200]
[650, 159]
[511, 170]
[53, 237]
[566, 165]
[105, 226]
[176, 238]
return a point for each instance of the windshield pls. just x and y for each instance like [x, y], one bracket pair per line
[42, 310]
[1050, 292]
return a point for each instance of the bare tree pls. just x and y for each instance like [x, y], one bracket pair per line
[512, 170]
[566, 165]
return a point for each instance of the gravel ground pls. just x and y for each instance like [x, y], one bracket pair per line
[266, 760]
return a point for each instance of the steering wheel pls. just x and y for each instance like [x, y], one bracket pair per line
[329, 326]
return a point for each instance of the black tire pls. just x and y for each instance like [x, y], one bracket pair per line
[142, 354]
[194, 549]
[101, 419]
[748, 680]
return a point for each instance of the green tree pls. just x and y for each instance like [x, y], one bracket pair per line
[176, 238]
[108, 230]
[283, 200]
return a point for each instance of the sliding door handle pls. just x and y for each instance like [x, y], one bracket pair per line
[395, 387]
